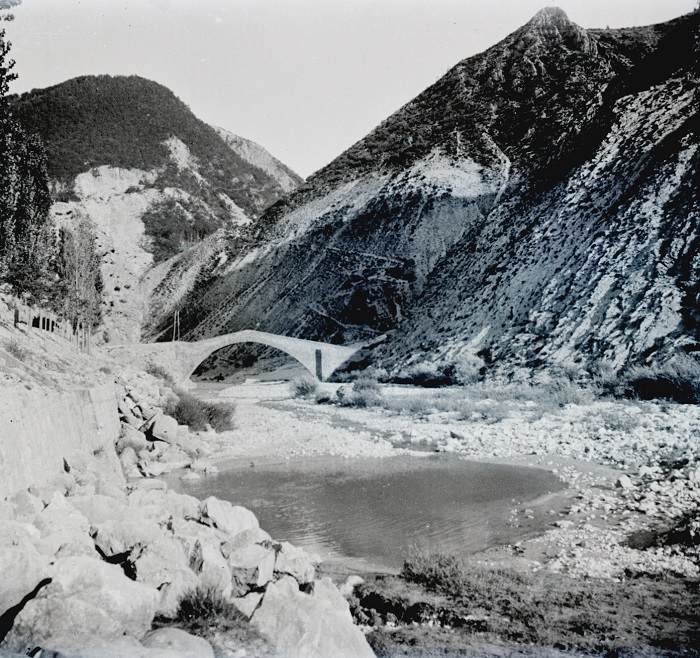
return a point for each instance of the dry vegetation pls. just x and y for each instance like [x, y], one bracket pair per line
[191, 411]
[442, 605]
[205, 612]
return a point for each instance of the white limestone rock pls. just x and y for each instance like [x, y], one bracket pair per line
[317, 624]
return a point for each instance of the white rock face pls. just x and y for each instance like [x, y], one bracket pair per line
[85, 595]
[260, 158]
[315, 625]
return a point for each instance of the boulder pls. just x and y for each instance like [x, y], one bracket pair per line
[132, 438]
[347, 589]
[149, 485]
[251, 567]
[7, 510]
[64, 530]
[111, 490]
[26, 504]
[85, 595]
[203, 466]
[175, 454]
[624, 482]
[189, 532]
[317, 624]
[114, 537]
[211, 567]
[296, 562]
[45, 491]
[22, 569]
[221, 514]
[245, 538]
[187, 646]
[98, 508]
[162, 505]
[152, 469]
[91, 646]
[164, 428]
[162, 563]
[248, 604]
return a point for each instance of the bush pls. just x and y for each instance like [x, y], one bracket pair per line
[465, 369]
[303, 387]
[205, 612]
[197, 414]
[365, 392]
[160, 373]
[677, 380]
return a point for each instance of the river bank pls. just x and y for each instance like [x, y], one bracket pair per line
[617, 567]
[629, 466]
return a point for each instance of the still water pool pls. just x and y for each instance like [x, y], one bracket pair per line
[369, 512]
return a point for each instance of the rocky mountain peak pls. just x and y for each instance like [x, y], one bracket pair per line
[555, 16]
[552, 27]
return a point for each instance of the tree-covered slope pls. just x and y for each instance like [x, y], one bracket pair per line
[128, 155]
[125, 122]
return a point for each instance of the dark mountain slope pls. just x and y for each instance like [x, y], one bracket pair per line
[125, 122]
[602, 267]
[461, 208]
[155, 180]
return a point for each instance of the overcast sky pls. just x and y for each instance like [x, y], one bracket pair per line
[304, 78]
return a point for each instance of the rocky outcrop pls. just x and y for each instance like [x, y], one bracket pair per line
[90, 559]
[315, 623]
[536, 206]
[32, 451]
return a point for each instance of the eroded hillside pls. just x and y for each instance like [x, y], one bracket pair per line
[130, 156]
[535, 204]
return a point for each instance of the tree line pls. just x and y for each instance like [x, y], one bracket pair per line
[56, 267]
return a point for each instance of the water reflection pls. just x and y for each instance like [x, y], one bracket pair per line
[375, 509]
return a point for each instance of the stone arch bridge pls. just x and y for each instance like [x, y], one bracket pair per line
[181, 358]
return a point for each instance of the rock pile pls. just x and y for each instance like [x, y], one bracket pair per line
[152, 443]
[89, 560]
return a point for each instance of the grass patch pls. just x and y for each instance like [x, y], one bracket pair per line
[15, 349]
[197, 414]
[205, 612]
[458, 606]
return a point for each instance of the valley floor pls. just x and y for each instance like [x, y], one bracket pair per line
[632, 470]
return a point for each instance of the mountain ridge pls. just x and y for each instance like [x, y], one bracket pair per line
[154, 179]
[450, 183]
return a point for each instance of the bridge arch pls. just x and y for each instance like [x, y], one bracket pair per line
[181, 358]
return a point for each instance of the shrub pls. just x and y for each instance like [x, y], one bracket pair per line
[465, 369]
[677, 380]
[365, 392]
[197, 414]
[160, 373]
[15, 349]
[303, 387]
[205, 612]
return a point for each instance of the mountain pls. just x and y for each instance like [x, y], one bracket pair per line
[156, 180]
[537, 205]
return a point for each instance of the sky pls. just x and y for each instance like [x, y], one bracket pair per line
[306, 79]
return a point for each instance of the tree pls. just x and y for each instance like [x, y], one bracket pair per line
[27, 244]
[80, 284]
